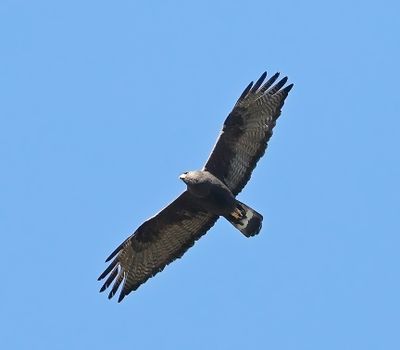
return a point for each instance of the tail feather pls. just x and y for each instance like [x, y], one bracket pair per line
[245, 219]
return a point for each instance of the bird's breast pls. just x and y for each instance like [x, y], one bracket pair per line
[218, 201]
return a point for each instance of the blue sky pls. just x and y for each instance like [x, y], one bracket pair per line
[104, 104]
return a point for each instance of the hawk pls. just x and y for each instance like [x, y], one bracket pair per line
[210, 193]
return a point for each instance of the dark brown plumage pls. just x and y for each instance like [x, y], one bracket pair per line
[158, 241]
[246, 131]
[170, 233]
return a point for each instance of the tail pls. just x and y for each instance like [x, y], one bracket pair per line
[245, 219]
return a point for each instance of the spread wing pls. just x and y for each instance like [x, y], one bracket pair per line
[246, 131]
[157, 242]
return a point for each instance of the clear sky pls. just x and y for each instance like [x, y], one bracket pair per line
[103, 104]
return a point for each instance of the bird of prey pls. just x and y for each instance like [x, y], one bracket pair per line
[210, 193]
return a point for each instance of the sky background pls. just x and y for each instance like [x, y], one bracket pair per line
[103, 104]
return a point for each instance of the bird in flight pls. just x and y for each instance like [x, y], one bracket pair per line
[210, 193]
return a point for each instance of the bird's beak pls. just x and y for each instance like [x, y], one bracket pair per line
[183, 177]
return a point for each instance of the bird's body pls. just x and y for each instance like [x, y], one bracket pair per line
[211, 192]
[212, 195]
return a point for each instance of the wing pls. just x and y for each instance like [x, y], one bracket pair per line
[246, 131]
[156, 243]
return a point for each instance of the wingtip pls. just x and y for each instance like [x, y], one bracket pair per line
[269, 82]
[122, 295]
[246, 91]
[108, 269]
[114, 253]
[258, 82]
[284, 80]
[288, 88]
[263, 76]
[278, 86]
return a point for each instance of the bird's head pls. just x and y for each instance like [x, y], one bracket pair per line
[183, 176]
[190, 177]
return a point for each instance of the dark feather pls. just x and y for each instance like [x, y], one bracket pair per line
[110, 279]
[108, 269]
[116, 284]
[156, 243]
[245, 91]
[259, 82]
[246, 132]
[114, 253]
[278, 85]
[269, 82]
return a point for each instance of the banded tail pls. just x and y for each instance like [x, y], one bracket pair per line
[245, 219]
